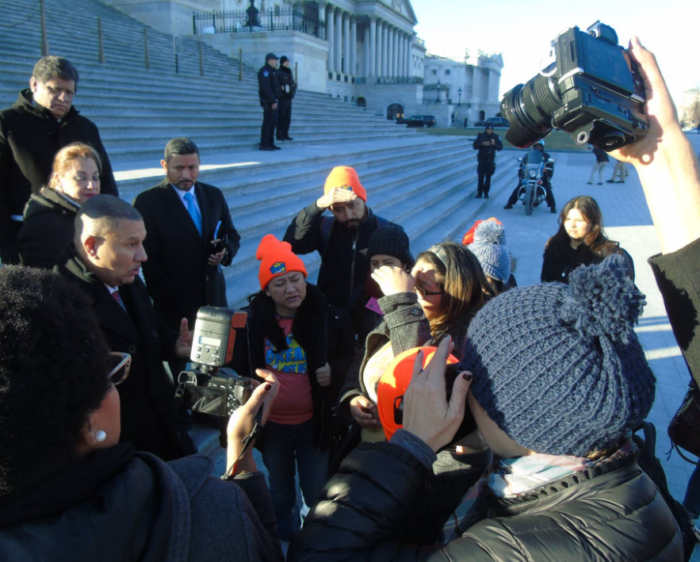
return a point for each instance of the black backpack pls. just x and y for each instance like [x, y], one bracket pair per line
[652, 467]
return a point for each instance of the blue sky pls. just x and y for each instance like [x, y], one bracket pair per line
[521, 31]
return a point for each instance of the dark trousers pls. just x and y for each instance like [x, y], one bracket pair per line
[485, 170]
[284, 118]
[549, 197]
[267, 133]
[286, 449]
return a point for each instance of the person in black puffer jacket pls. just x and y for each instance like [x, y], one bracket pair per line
[556, 380]
[50, 214]
[308, 344]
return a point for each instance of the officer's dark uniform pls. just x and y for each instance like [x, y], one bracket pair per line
[288, 88]
[269, 92]
[487, 160]
[548, 173]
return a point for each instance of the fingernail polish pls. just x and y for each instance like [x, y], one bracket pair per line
[467, 377]
[268, 387]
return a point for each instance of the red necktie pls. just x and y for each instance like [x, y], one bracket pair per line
[116, 297]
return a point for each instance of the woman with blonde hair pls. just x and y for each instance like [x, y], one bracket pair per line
[49, 214]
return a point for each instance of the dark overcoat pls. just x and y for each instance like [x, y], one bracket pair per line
[148, 395]
[177, 274]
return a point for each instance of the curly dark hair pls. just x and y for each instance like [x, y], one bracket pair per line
[53, 373]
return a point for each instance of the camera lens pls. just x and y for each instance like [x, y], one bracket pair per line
[529, 110]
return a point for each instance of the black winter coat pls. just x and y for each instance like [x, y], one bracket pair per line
[48, 226]
[678, 277]
[179, 278]
[133, 508]
[344, 264]
[288, 86]
[30, 137]
[148, 395]
[326, 335]
[487, 153]
[610, 513]
[557, 269]
[268, 85]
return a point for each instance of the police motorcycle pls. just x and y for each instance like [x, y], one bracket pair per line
[534, 170]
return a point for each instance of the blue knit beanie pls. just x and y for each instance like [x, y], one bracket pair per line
[490, 249]
[559, 367]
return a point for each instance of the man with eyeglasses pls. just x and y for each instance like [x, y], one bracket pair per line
[341, 239]
[105, 259]
[40, 123]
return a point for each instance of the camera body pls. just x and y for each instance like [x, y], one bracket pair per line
[593, 91]
[209, 388]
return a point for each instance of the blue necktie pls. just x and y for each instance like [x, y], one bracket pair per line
[194, 211]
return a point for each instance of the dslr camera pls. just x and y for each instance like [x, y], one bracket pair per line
[593, 91]
[209, 388]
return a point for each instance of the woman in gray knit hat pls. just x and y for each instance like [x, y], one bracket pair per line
[490, 249]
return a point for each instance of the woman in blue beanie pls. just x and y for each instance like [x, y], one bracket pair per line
[556, 380]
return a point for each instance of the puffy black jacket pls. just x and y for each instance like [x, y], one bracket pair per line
[487, 153]
[326, 335]
[344, 263]
[30, 137]
[48, 226]
[288, 86]
[612, 513]
[554, 268]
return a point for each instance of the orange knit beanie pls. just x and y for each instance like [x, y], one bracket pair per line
[345, 177]
[276, 258]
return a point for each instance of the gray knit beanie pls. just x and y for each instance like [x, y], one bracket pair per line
[559, 367]
[391, 240]
[490, 249]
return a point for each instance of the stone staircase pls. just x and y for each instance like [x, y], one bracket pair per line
[425, 183]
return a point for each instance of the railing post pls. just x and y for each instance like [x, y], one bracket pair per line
[296, 73]
[201, 61]
[44, 39]
[146, 58]
[240, 64]
[100, 42]
[177, 64]
[194, 23]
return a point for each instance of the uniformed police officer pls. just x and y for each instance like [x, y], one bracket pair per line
[269, 92]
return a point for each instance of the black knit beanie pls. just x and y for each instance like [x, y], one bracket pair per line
[559, 367]
[391, 240]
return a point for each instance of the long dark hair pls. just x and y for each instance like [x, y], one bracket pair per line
[465, 286]
[596, 240]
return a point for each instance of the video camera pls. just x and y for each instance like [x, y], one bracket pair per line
[593, 91]
[209, 388]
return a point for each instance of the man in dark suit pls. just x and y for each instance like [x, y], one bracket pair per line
[104, 259]
[40, 123]
[190, 237]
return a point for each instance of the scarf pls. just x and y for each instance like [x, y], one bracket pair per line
[69, 486]
[515, 477]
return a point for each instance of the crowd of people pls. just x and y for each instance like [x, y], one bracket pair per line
[508, 438]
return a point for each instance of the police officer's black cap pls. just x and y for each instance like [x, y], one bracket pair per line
[283, 59]
[269, 56]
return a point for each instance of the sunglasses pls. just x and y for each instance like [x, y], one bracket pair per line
[122, 366]
[422, 293]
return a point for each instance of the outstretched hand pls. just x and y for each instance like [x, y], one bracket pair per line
[427, 413]
[183, 345]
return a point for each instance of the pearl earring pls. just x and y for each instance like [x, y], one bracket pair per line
[100, 436]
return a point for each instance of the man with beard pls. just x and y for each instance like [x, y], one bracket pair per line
[341, 239]
[40, 123]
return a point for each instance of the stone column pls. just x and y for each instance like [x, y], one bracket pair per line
[353, 47]
[322, 17]
[339, 41]
[395, 62]
[366, 51]
[346, 44]
[399, 66]
[409, 58]
[330, 36]
[385, 47]
[372, 47]
[389, 52]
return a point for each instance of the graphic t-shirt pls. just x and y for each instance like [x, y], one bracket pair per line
[293, 404]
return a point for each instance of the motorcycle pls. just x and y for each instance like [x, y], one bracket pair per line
[532, 173]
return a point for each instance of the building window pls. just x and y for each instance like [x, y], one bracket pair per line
[277, 10]
[447, 72]
[434, 72]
